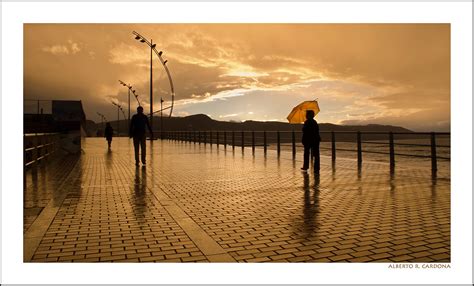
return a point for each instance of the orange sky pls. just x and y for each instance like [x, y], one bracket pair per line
[361, 73]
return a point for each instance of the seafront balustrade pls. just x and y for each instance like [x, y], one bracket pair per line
[433, 146]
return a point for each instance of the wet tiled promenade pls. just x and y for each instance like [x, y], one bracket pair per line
[197, 203]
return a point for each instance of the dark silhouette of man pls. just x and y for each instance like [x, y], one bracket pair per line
[138, 126]
[311, 140]
[108, 133]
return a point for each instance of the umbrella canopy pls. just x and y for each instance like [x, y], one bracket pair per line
[298, 114]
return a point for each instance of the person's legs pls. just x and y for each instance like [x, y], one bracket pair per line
[306, 157]
[136, 143]
[143, 147]
[316, 157]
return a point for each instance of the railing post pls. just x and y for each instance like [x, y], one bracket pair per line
[253, 141]
[217, 134]
[36, 151]
[333, 147]
[391, 150]
[293, 143]
[210, 137]
[194, 136]
[225, 139]
[359, 150]
[278, 143]
[205, 137]
[233, 139]
[434, 162]
[243, 140]
[265, 142]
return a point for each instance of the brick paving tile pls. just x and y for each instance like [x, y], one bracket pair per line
[365, 243]
[421, 254]
[243, 257]
[400, 252]
[400, 246]
[264, 254]
[343, 251]
[346, 246]
[112, 257]
[326, 249]
[282, 256]
[381, 250]
[418, 248]
[259, 259]
[441, 257]
[340, 257]
[380, 256]
[322, 255]
[360, 259]
[435, 245]
[363, 248]
[178, 255]
[361, 253]
[151, 258]
[402, 258]
[439, 250]
[255, 208]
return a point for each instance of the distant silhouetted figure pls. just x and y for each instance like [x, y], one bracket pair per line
[311, 140]
[138, 126]
[108, 133]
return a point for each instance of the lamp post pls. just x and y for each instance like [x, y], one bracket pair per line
[119, 108]
[129, 87]
[161, 118]
[152, 46]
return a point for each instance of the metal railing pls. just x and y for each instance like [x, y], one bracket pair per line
[287, 140]
[39, 146]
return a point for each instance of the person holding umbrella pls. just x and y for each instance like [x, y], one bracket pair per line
[306, 111]
[311, 140]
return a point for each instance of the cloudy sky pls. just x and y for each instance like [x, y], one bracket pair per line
[360, 73]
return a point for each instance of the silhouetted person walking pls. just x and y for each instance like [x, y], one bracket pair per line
[108, 133]
[311, 140]
[138, 126]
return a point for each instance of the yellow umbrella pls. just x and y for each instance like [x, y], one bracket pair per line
[298, 114]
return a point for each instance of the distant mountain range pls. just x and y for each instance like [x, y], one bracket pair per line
[201, 122]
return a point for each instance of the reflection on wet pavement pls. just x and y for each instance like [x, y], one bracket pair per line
[251, 206]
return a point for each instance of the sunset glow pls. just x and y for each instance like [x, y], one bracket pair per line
[395, 74]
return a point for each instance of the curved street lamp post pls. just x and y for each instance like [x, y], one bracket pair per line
[152, 46]
[119, 108]
[130, 89]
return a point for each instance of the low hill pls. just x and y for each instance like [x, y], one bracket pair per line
[201, 122]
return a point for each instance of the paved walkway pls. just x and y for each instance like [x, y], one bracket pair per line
[197, 203]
